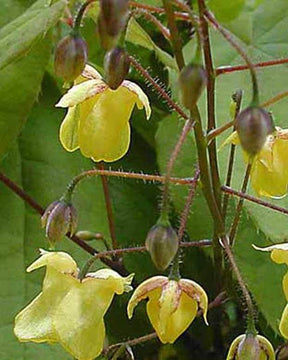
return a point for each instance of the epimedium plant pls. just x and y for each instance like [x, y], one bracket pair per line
[210, 245]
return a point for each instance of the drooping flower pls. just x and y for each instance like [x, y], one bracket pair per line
[97, 120]
[269, 173]
[68, 311]
[248, 347]
[172, 305]
[279, 254]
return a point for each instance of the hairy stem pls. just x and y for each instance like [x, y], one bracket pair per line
[188, 203]
[174, 34]
[237, 98]
[108, 204]
[245, 292]
[275, 99]
[80, 14]
[239, 207]
[157, 87]
[164, 31]
[185, 131]
[232, 192]
[229, 69]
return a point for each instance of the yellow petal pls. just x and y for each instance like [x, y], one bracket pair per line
[267, 352]
[70, 125]
[78, 319]
[142, 99]
[116, 282]
[279, 252]
[234, 347]
[144, 290]
[196, 292]
[285, 285]
[267, 182]
[69, 129]
[59, 261]
[81, 92]
[177, 322]
[34, 322]
[105, 133]
[280, 158]
[283, 326]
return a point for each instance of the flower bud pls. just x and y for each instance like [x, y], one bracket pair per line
[116, 66]
[114, 14]
[70, 57]
[253, 125]
[251, 347]
[192, 80]
[162, 244]
[59, 219]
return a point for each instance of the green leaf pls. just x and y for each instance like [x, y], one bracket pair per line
[226, 11]
[138, 36]
[18, 36]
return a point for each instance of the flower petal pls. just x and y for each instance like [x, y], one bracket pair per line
[279, 252]
[283, 326]
[267, 182]
[177, 322]
[285, 285]
[105, 133]
[78, 319]
[144, 290]
[234, 347]
[142, 97]
[69, 128]
[34, 322]
[59, 261]
[81, 92]
[117, 283]
[196, 292]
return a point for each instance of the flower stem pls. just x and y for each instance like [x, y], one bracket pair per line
[237, 98]
[165, 196]
[218, 131]
[108, 204]
[227, 35]
[79, 16]
[185, 212]
[229, 69]
[239, 207]
[157, 87]
[174, 34]
[232, 192]
[245, 292]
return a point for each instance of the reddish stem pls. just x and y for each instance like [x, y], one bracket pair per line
[230, 69]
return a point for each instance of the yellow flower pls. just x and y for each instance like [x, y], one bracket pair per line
[68, 311]
[248, 346]
[172, 305]
[269, 173]
[97, 120]
[279, 254]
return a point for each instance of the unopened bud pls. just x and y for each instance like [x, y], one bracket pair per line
[59, 219]
[162, 244]
[116, 67]
[70, 57]
[86, 235]
[253, 125]
[251, 347]
[192, 80]
[114, 14]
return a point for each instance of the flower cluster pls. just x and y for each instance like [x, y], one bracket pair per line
[69, 311]
[269, 173]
